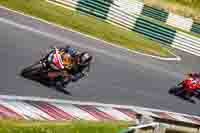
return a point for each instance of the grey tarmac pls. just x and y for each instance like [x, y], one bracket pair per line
[117, 76]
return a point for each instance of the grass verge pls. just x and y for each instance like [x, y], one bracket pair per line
[87, 24]
[22, 126]
[73, 126]
[187, 8]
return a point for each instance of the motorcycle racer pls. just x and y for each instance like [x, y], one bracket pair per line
[61, 58]
[69, 61]
[59, 66]
[190, 86]
[195, 81]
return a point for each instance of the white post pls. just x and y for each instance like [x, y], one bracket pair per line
[198, 130]
[160, 129]
[135, 129]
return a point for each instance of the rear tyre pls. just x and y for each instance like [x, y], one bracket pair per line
[171, 91]
[35, 67]
[174, 89]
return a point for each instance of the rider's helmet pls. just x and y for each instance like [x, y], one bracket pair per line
[196, 75]
[70, 51]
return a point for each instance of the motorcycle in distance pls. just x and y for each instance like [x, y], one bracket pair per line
[188, 88]
[42, 72]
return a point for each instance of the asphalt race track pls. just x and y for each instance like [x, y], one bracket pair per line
[117, 76]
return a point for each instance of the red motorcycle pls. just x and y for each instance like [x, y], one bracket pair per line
[43, 73]
[188, 88]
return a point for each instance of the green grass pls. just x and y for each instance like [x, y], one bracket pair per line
[187, 8]
[74, 126]
[87, 24]
[22, 126]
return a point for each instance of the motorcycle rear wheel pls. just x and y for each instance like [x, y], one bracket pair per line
[174, 89]
[35, 67]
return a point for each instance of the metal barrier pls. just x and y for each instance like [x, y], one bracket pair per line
[171, 19]
[187, 43]
[157, 14]
[196, 28]
[160, 33]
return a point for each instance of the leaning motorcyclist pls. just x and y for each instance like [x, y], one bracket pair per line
[61, 58]
[69, 61]
[196, 80]
[193, 80]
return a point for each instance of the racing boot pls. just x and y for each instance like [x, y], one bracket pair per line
[77, 76]
[67, 78]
